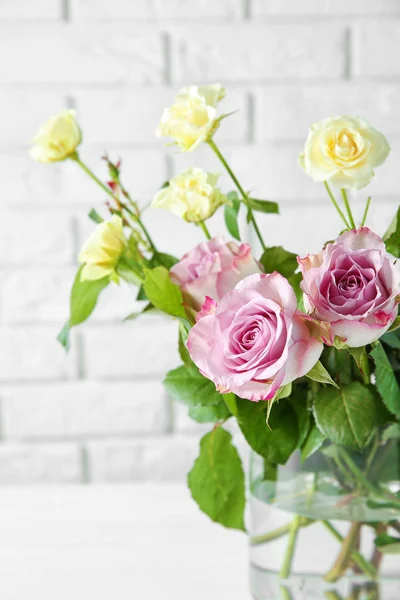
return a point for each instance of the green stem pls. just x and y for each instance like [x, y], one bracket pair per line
[205, 229]
[285, 593]
[277, 533]
[366, 212]
[290, 548]
[335, 204]
[356, 556]
[348, 209]
[374, 489]
[89, 172]
[245, 196]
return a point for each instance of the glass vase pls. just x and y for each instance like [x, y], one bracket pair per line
[314, 525]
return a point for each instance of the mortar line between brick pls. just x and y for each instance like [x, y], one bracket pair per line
[65, 11]
[85, 464]
[348, 52]
[247, 9]
[167, 59]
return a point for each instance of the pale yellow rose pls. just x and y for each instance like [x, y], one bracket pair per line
[103, 249]
[344, 150]
[191, 195]
[57, 139]
[193, 117]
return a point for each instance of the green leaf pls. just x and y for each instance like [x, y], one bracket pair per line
[276, 442]
[298, 399]
[164, 260]
[216, 480]
[361, 357]
[94, 216]
[320, 374]
[209, 414]
[187, 385]
[347, 416]
[265, 206]
[312, 443]
[162, 293]
[278, 259]
[387, 544]
[133, 316]
[230, 401]
[392, 340]
[141, 295]
[183, 351]
[395, 325]
[83, 299]
[231, 213]
[295, 281]
[386, 381]
[392, 236]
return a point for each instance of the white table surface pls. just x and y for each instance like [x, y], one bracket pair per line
[136, 542]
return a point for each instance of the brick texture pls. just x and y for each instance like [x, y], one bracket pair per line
[99, 413]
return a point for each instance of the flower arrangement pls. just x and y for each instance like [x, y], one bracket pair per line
[302, 351]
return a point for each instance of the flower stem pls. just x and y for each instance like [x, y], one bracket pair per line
[335, 204]
[205, 229]
[290, 548]
[277, 533]
[75, 157]
[245, 196]
[356, 556]
[366, 212]
[345, 554]
[348, 209]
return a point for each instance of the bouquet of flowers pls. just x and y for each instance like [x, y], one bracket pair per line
[302, 351]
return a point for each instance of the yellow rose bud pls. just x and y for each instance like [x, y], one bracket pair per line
[193, 117]
[101, 252]
[57, 139]
[191, 195]
[343, 150]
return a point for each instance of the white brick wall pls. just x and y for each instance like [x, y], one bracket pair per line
[100, 413]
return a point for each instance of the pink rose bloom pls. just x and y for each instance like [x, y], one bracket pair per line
[353, 284]
[255, 340]
[212, 269]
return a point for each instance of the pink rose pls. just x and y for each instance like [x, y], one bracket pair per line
[212, 269]
[353, 284]
[255, 340]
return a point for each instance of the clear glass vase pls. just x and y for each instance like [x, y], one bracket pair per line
[314, 524]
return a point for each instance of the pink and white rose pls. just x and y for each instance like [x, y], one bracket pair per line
[212, 269]
[354, 285]
[254, 341]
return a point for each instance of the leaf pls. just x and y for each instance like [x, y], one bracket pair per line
[216, 480]
[278, 259]
[347, 416]
[164, 260]
[265, 206]
[392, 236]
[83, 299]
[183, 351]
[94, 216]
[386, 381]
[187, 385]
[231, 214]
[162, 293]
[133, 316]
[387, 544]
[209, 414]
[230, 401]
[320, 374]
[313, 442]
[141, 295]
[299, 402]
[295, 281]
[361, 357]
[275, 443]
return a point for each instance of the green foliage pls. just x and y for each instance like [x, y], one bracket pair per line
[387, 544]
[187, 385]
[94, 216]
[83, 299]
[231, 213]
[278, 259]
[230, 401]
[164, 260]
[275, 442]
[346, 416]
[209, 414]
[392, 236]
[216, 480]
[295, 281]
[162, 293]
[264, 206]
[320, 374]
[386, 381]
[391, 339]
[313, 442]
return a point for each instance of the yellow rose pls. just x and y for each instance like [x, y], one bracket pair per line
[191, 195]
[193, 117]
[57, 139]
[101, 252]
[344, 150]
